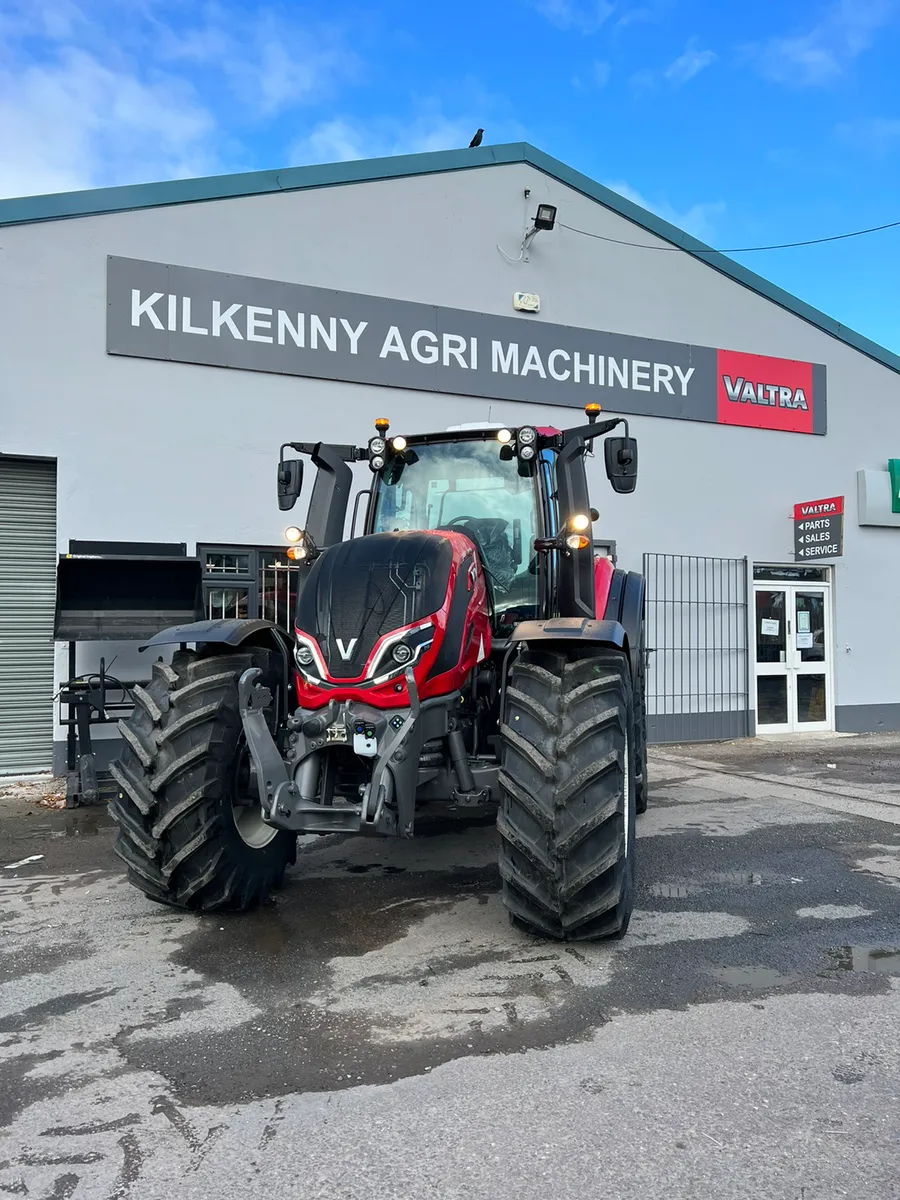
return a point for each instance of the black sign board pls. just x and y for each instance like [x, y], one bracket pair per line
[819, 529]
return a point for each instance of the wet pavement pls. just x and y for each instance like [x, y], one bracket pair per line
[380, 1030]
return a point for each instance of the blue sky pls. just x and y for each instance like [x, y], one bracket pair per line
[742, 123]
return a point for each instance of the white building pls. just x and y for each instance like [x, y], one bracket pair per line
[158, 343]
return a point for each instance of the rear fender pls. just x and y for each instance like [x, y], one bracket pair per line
[625, 605]
[572, 629]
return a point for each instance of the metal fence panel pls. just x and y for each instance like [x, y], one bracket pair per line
[697, 657]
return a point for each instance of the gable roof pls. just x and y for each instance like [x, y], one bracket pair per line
[28, 209]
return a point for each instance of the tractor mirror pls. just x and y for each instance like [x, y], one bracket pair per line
[290, 480]
[621, 463]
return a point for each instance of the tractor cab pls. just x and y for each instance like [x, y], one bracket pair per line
[464, 483]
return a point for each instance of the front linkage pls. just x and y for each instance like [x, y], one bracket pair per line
[392, 742]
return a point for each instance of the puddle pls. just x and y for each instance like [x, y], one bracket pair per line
[738, 878]
[676, 891]
[870, 960]
[679, 888]
[752, 977]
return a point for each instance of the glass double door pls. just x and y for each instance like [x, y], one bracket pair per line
[792, 634]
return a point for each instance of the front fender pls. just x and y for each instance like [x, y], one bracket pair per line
[231, 631]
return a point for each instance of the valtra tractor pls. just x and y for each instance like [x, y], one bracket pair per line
[469, 649]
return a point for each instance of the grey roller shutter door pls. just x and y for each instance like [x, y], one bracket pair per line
[27, 604]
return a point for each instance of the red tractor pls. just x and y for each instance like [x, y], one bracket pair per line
[469, 649]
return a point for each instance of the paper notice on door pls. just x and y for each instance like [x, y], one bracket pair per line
[803, 622]
[769, 628]
[804, 641]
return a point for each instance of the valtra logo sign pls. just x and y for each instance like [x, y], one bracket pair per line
[766, 393]
[189, 315]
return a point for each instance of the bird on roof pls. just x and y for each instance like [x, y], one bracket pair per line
[476, 140]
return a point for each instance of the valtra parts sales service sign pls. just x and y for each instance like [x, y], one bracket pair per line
[183, 314]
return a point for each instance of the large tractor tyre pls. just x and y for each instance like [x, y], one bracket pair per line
[567, 813]
[190, 830]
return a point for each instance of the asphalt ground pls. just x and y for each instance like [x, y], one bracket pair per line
[379, 1030]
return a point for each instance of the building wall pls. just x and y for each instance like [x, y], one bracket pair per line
[168, 451]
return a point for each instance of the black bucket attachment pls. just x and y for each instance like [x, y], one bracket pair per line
[113, 592]
[129, 598]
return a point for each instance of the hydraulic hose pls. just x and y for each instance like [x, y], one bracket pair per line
[460, 760]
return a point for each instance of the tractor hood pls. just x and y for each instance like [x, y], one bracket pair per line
[360, 590]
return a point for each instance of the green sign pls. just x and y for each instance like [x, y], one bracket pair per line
[894, 469]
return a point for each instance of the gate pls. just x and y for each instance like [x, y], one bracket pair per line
[697, 658]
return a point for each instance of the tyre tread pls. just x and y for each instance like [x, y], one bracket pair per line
[567, 724]
[177, 837]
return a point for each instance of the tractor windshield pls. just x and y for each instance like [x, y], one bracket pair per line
[465, 486]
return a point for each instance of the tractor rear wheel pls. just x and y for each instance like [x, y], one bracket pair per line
[191, 832]
[567, 814]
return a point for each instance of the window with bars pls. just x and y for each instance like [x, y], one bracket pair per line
[248, 581]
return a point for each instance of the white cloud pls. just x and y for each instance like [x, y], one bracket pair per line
[698, 220]
[583, 16]
[877, 134]
[826, 51]
[596, 76]
[685, 67]
[600, 73]
[343, 139]
[120, 93]
[76, 122]
[689, 64]
[271, 63]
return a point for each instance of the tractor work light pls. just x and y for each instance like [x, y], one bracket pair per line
[580, 522]
[376, 462]
[504, 436]
[293, 534]
[577, 541]
[526, 453]
[527, 436]
[398, 444]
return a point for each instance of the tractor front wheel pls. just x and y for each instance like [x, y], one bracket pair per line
[567, 815]
[191, 833]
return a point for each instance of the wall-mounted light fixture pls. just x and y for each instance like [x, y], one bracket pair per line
[544, 218]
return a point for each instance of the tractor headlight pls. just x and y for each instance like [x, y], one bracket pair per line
[526, 453]
[377, 445]
[376, 462]
[405, 649]
[527, 436]
[304, 655]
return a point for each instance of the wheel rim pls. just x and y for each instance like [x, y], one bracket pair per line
[252, 829]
